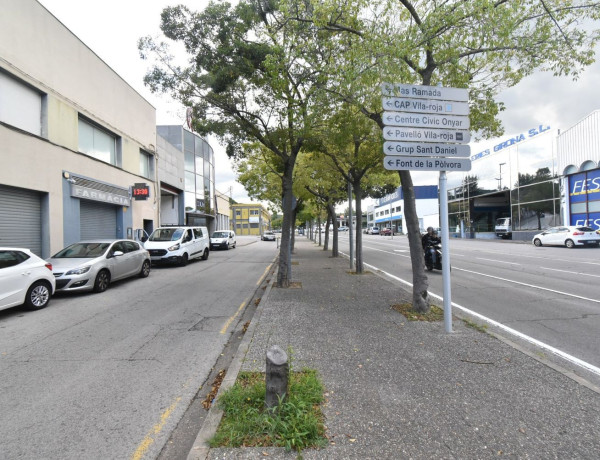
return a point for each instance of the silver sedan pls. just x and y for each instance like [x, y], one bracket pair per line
[92, 265]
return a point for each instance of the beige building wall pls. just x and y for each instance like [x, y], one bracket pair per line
[36, 49]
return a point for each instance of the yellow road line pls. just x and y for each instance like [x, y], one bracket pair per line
[156, 429]
[230, 320]
[260, 280]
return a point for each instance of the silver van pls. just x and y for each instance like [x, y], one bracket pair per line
[178, 244]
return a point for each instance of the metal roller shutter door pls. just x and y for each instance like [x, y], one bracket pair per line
[20, 219]
[97, 220]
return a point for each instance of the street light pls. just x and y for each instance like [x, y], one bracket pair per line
[499, 179]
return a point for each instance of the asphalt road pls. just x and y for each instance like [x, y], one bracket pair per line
[99, 376]
[550, 293]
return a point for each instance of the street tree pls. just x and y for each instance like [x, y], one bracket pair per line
[243, 82]
[484, 45]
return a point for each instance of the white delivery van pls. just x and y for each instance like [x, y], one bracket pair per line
[178, 244]
[503, 227]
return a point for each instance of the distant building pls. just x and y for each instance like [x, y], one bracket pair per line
[579, 163]
[187, 178]
[249, 219]
[389, 211]
[223, 211]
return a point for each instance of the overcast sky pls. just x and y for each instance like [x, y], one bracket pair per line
[111, 28]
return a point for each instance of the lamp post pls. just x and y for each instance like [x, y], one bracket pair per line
[500, 178]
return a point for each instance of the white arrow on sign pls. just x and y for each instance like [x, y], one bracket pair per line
[425, 92]
[405, 104]
[425, 120]
[426, 164]
[426, 149]
[457, 136]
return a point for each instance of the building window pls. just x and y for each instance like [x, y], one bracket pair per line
[253, 225]
[254, 212]
[97, 143]
[146, 165]
[238, 213]
[20, 105]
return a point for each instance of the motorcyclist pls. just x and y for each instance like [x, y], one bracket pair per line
[430, 238]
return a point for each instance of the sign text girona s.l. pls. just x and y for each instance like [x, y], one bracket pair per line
[512, 141]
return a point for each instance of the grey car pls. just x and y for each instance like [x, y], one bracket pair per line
[93, 265]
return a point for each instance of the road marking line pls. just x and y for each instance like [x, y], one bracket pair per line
[544, 346]
[497, 261]
[230, 320]
[260, 280]
[529, 285]
[574, 273]
[156, 429]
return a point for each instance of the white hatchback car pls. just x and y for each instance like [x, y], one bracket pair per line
[568, 236]
[24, 279]
[223, 239]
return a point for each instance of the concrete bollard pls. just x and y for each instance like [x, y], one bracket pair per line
[276, 376]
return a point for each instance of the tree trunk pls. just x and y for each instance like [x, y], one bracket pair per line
[284, 272]
[358, 233]
[327, 224]
[292, 228]
[334, 245]
[319, 225]
[420, 281]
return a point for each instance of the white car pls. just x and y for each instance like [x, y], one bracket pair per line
[92, 265]
[268, 236]
[569, 236]
[224, 239]
[24, 279]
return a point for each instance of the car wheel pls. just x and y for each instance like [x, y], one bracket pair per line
[205, 254]
[569, 244]
[537, 242]
[102, 281]
[38, 295]
[145, 271]
[183, 260]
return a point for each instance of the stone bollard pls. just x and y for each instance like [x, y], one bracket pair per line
[276, 376]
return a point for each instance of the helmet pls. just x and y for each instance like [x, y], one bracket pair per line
[429, 229]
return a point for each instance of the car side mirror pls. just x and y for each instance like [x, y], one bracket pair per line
[117, 253]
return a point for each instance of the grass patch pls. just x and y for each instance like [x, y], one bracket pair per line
[296, 423]
[435, 313]
[475, 326]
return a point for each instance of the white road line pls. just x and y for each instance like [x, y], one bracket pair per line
[567, 271]
[528, 285]
[497, 261]
[544, 346]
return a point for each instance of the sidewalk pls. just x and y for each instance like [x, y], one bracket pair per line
[397, 389]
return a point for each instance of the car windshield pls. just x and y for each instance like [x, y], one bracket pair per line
[220, 235]
[585, 229]
[166, 234]
[83, 251]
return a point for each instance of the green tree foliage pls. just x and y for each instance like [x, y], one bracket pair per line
[483, 45]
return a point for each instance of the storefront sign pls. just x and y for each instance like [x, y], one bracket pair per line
[512, 141]
[78, 191]
[140, 191]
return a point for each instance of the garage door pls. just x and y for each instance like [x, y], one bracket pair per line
[20, 218]
[97, 220]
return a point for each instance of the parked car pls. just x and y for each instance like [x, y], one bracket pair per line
[343, 228]
[93, 265]
[386, 231]
[178, 244]
[223, 239]
[268, 236]
[24, 279]
[569, 236]
[373, 231]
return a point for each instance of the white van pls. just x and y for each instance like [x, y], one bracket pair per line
[178, 244]
[503, 227]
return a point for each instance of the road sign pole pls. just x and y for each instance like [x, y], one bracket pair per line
[445, 253]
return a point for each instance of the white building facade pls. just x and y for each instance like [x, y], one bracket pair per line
[77, 143]
[389, 211]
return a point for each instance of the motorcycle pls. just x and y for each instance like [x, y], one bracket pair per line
[433, 256]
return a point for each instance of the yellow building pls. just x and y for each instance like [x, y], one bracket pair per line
[249, 219]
